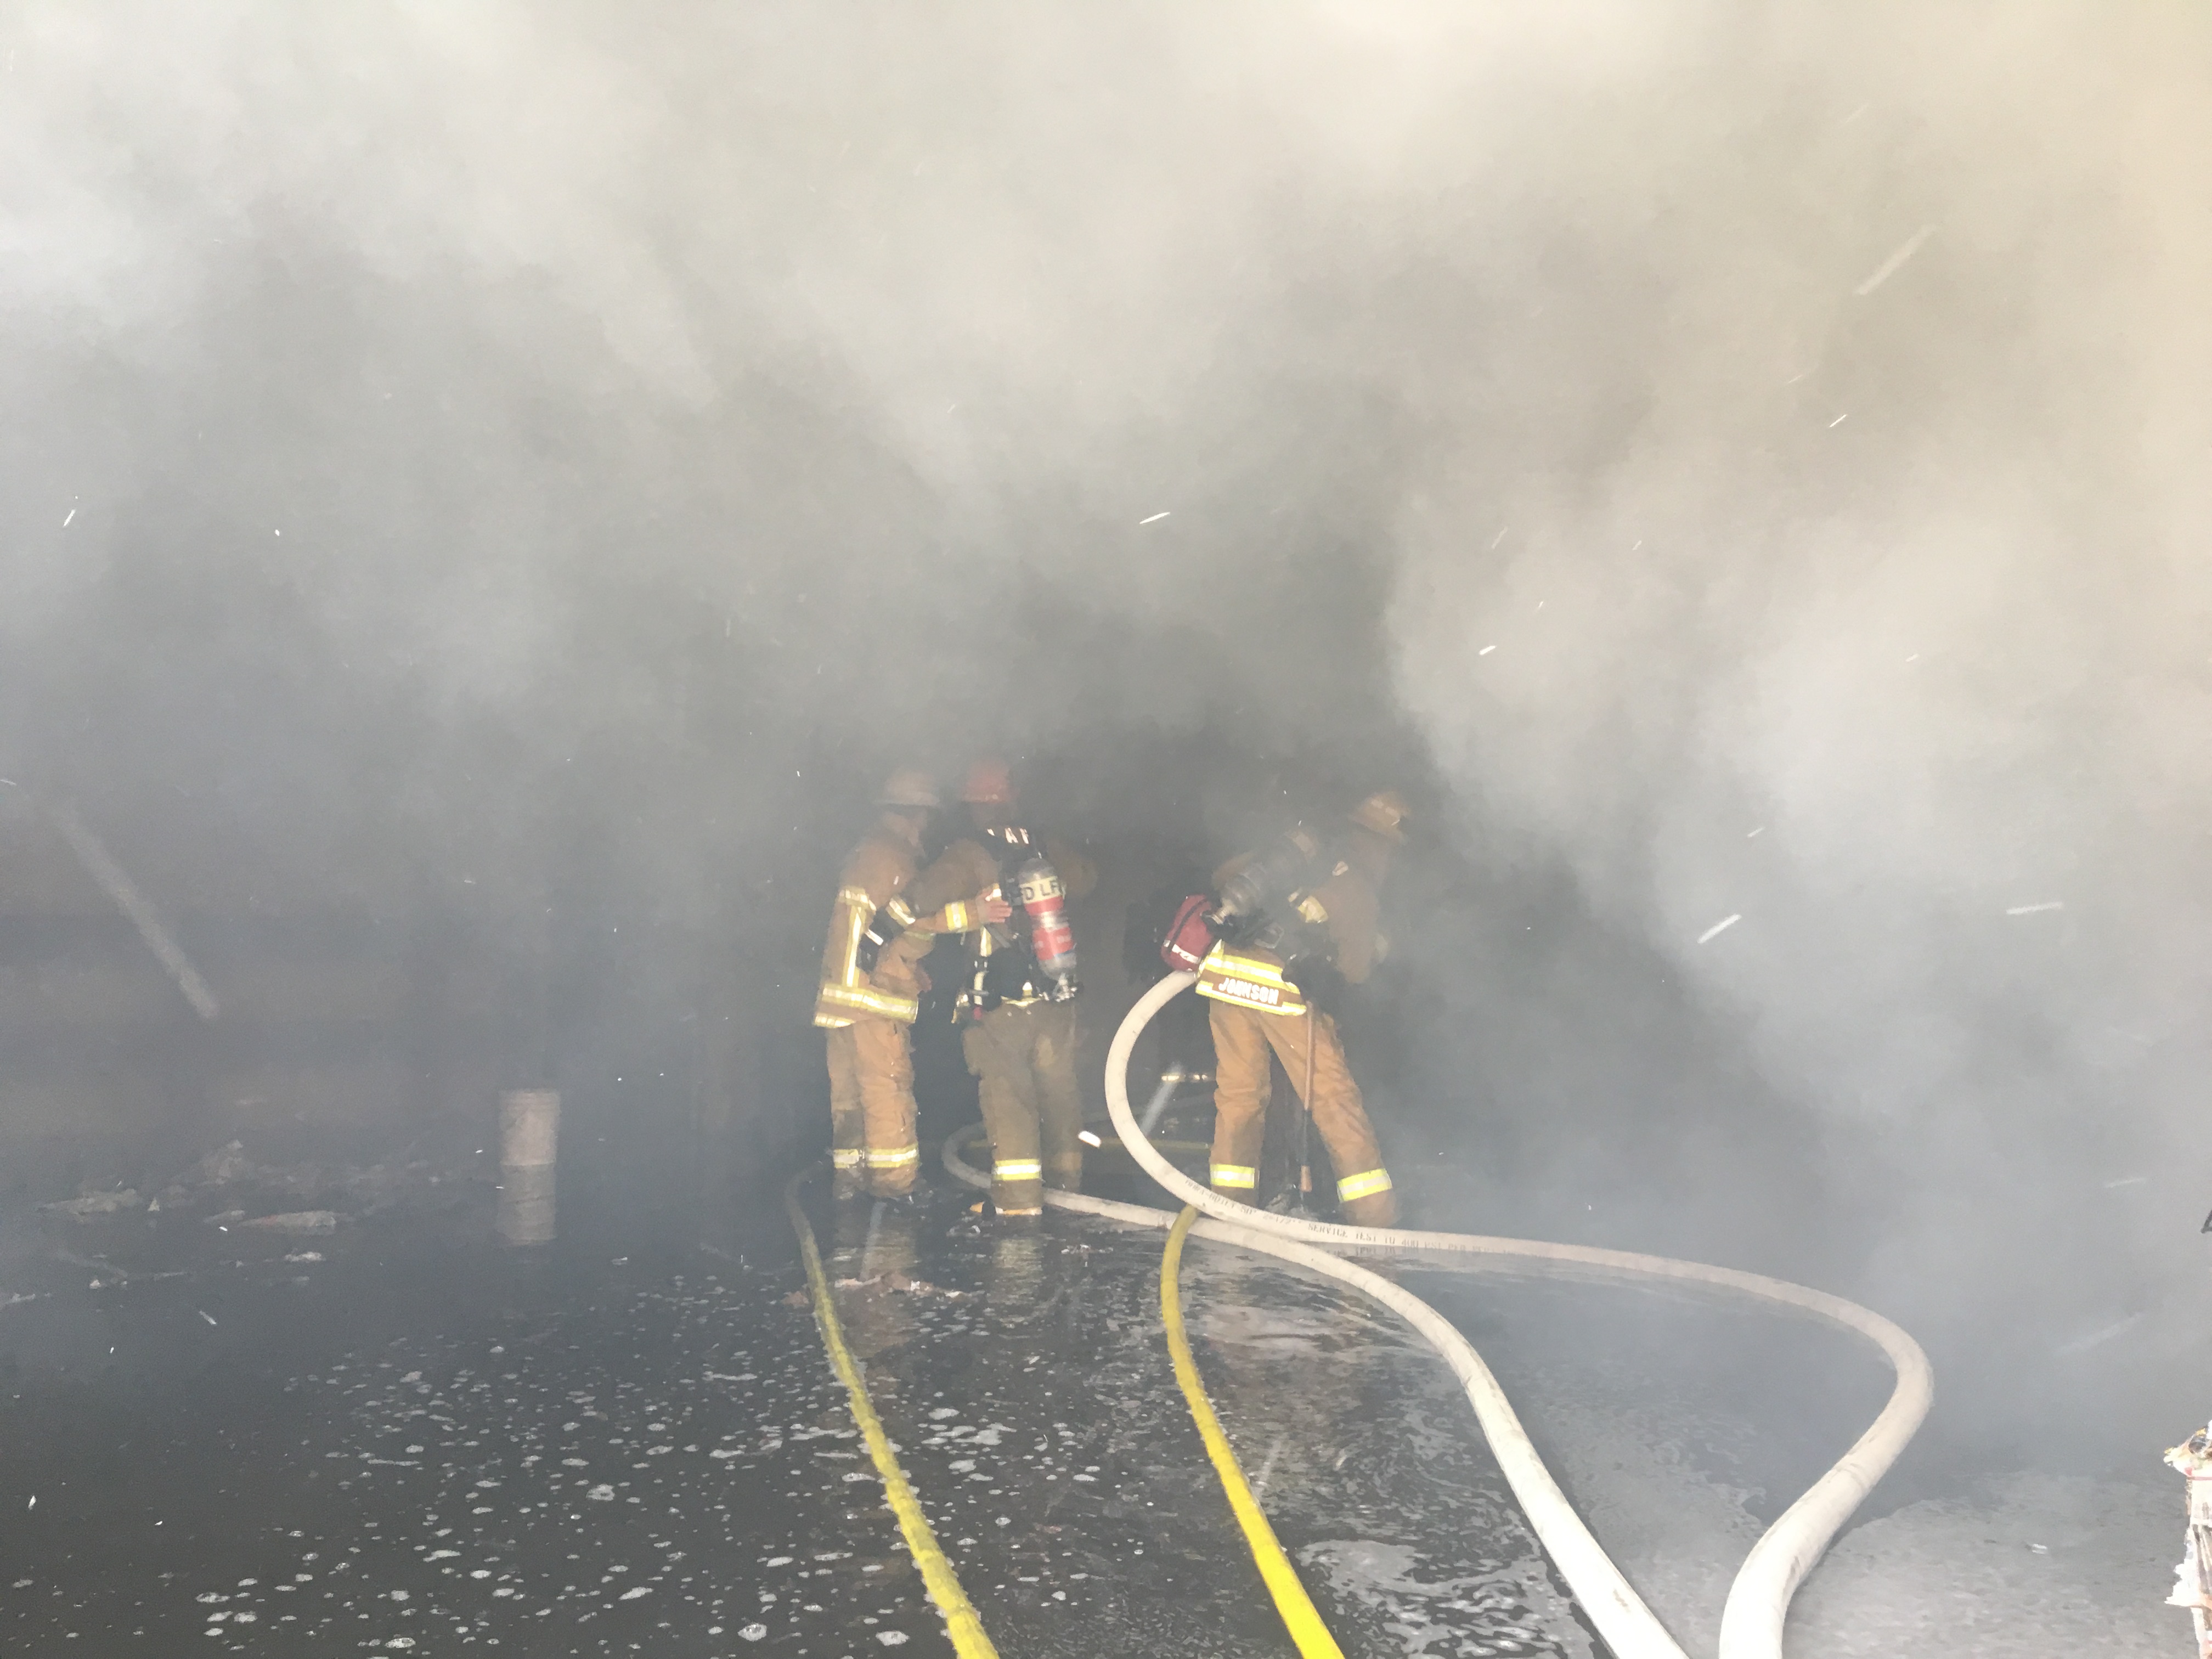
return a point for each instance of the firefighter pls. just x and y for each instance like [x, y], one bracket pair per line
[1302, 914]
[1021, 1036]
[870, 989]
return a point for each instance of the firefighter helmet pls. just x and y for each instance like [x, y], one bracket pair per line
[1384, 813]
[988, 784]
[909, 788]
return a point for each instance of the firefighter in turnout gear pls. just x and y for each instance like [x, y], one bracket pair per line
[1019, 1000]
[871, 989]
[1286, 920]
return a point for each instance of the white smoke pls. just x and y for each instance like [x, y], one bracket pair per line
[1762, 447]
[1859, 591]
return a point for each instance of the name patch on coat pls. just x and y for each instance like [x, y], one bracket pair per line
[1248, 982]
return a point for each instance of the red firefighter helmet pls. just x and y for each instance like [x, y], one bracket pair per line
[989, 783]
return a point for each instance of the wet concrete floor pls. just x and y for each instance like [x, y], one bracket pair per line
[633, 1442]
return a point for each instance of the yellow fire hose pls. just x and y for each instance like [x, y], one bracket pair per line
[1291, 1601]
[961, 1623]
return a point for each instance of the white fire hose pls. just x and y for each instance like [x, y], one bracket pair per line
[1758, 1599]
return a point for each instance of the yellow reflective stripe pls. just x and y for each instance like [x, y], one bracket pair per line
[1230, 960]
[955, 918]
[1248, 982]
[1366, 1184]
[1234, 1174]
[829, 1022]
[1019, 1169]
[1029, 1212]
[1291, 1602]
[961, 1623]
[900, 912]
[871, 1000]
[858, 908]
[893, 1159]
[844, 1158]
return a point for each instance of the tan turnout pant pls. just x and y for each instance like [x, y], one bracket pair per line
[871, 1136]
[1242, 1040]
[1024, 1059]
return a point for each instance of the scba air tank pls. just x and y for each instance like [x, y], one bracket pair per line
[1044, 901]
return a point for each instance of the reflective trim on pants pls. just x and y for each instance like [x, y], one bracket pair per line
[1246, 1045]
[871, 1105]
[1366, 1184]
[1023, 1060]
[1234, 1174]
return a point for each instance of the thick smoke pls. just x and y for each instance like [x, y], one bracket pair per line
[1843, 573]
[1757, 453]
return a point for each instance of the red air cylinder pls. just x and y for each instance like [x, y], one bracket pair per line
[1191, 935]
[1044, 901]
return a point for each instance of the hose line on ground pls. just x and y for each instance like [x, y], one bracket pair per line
[1291, 1602]
[961, 1623]
[1758, 1599]
[1629, 1628]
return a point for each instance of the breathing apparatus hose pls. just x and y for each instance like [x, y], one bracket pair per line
[1758, 1599]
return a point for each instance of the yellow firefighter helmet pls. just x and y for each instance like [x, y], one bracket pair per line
[909, 788]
